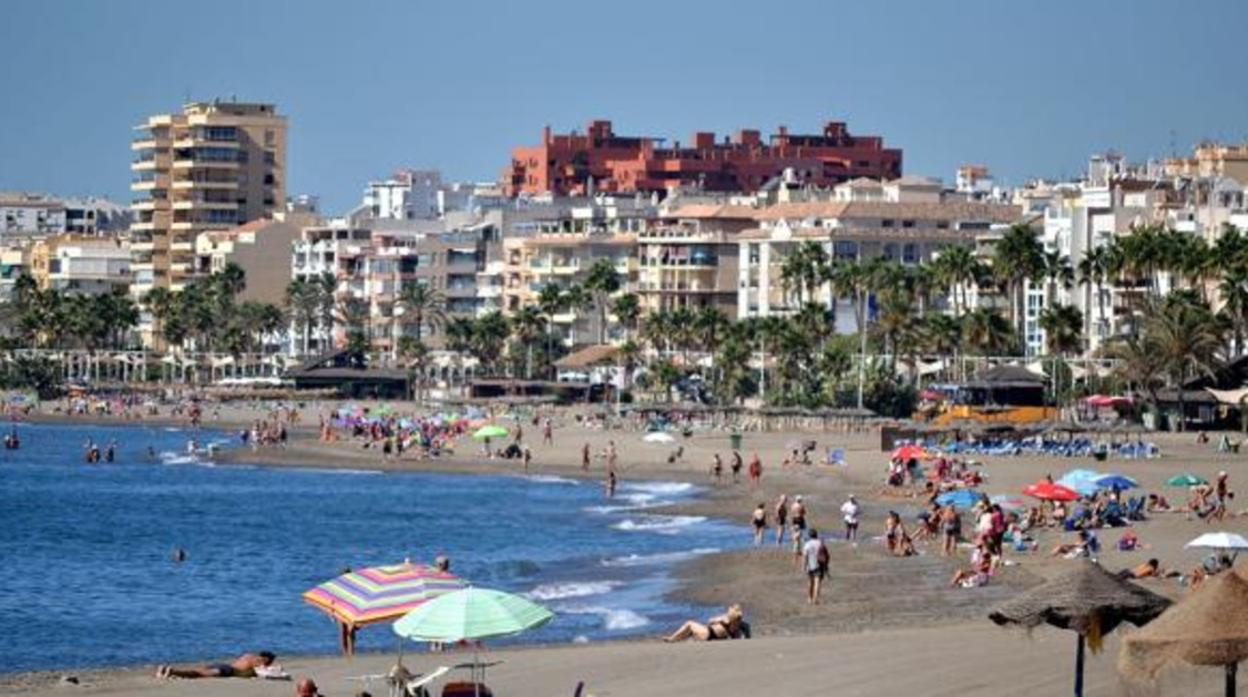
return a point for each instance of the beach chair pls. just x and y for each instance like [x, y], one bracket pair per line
[405, 684]
[836, 456]
[466, 689]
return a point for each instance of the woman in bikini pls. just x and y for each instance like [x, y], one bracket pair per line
[760, 523]
[725, 626]
[782, 517]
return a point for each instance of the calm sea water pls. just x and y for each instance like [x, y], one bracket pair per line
[88, 580]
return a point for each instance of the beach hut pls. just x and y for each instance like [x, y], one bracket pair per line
[1209, 627]
[1089, 601]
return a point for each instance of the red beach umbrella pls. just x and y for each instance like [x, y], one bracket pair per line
[1049, 491]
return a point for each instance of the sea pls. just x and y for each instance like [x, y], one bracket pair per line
[87, 576]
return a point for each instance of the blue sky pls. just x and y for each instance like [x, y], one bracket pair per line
[1029, 88]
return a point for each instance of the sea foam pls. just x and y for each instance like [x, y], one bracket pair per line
[560, 591]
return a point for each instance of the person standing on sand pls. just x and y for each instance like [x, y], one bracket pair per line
[951, 530]
[760, 523]
[548, 434]
[585, 457]
[737, 463]
[528, 458]
[815, 557]
[611, 455]
[756, 470]
[782, 517]
[717, 469]
[850, 510]
[519, 433]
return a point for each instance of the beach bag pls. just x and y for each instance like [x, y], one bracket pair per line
[822, 556]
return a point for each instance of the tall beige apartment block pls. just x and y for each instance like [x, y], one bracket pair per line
[213, 166]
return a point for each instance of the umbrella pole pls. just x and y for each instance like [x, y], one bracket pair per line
[1231, 669]
[1079, 666]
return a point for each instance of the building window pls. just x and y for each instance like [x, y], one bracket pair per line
[887, 222]
[907, 223]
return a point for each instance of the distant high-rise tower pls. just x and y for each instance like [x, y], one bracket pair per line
[213, 166]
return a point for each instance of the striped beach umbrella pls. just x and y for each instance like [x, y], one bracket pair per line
[381, 593]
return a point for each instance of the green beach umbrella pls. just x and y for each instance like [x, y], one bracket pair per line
[1186, 479]
[490, 431]
[471, 614]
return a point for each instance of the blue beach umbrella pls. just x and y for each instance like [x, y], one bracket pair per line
[960, 498]
[1116, 481]
[1084, 482]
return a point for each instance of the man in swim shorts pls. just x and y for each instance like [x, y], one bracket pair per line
[243, 667]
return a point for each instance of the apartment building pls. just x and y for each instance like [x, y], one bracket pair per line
[899, 230]
[81, 264]
[688, 258]
[212, 166]
[261, 248]
[599, 160]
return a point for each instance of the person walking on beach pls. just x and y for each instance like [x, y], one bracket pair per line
[950, 529]
[519, 433]
[717, 469]
[760, 523]
[548, 434]
[850, 510]
[782, 517]
[737, 463]
[585, 457]
[611, 455]
[815, 557]
[528, 457]
[756, 470]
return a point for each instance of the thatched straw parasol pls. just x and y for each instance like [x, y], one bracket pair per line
[1209, 627]
[1088, 600]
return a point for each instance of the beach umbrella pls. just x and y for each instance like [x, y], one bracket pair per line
[909, 452]
[490, 431]
[1082, 475]
[658, 437]
[381, 593]
[1208, 627]
[1008, 502]
[472, 614]
[1087, 600]
[1186, 479]
[1050, 491]
[1219, 540]
[1116, 481]
[960, 498]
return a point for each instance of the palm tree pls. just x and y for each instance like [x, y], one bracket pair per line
[1057, 271]
[489, 336]
[551, 300]
[1017, 258]
[942, 335]
[627, 310]
[526, 328]
[576, 296]
[896, 324]
[425, 306]
[1093, 272]
[709, 323]
[303, 303]
[656, 329]
[327, 307]
[804, 270]
[956, 268]
[1234, 291]
[1063, 330]
[159, 302]
[1189, 339]
[415, 355]
[602, 281]
[987, 332]
[854, 280]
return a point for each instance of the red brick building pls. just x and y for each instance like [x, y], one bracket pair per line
[564, 164]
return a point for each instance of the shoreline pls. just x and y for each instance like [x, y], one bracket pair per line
[870, 597]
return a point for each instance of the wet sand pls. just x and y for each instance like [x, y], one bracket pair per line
[886, 623]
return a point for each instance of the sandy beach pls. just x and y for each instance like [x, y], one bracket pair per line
[887, 625]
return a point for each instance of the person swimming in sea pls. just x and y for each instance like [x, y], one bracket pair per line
[110, 453]
[12, 441]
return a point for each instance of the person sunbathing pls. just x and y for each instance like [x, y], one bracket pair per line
[1083, 547]
[245, 666]
[978, 574]
[1157, 503]
[729, 625]
[1148, 569]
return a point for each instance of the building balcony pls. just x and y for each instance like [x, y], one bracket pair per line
[152, 165]
[186, 141]
[205, 205]
[182, 246]
[215, 164]
[139, 205]
[183, 225]
[158, 182]
[465, 291]
[149, 226]
[185, 184]
[565, 269]
[489, 291]
[142, 246]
